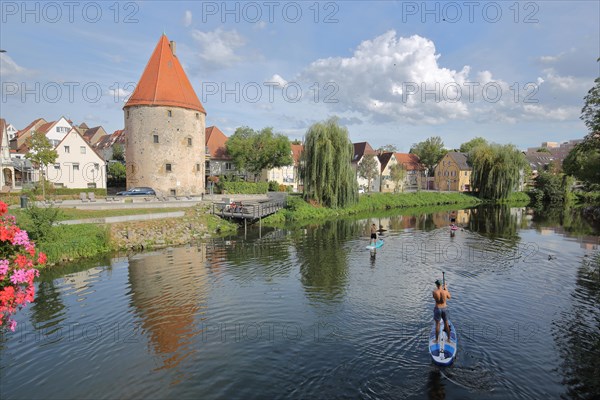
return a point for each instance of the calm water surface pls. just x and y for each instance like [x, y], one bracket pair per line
[310, 313]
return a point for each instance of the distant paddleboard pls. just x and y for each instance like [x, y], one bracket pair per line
[377, 245]
[443, 352]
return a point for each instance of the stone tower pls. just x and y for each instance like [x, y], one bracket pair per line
[164, 128]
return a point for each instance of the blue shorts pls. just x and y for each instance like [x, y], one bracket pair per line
[440, 313]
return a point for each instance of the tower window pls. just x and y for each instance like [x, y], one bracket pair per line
[197, 167]
[173, 192]
[169, 113]
[197, 115]
[189, 141]
[168, 167]
[155, 137]
[127, 113]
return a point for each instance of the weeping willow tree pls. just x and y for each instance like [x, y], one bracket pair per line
[497, 170]
[326, 171]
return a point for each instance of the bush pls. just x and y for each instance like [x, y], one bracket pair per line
[245, 187]
[39, 221]
[273, 186]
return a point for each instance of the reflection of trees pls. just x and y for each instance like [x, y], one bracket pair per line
[47, 306]
[495, 221]
[571, 220]
[578, 338]
[271, 253]
[323, 259]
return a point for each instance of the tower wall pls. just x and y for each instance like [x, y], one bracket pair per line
[159, 136]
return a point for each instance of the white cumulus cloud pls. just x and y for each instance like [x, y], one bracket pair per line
[218, 48]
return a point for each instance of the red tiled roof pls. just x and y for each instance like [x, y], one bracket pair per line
[410, 161]
[164, 82]
[361, 149]
[297, 150]
[215, 141]
[46, 127]
[31, 125]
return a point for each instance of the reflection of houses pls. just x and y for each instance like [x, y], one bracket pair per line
[453, 173]
[287, 175]
[361, 150]
[441, 219]
[169, 292]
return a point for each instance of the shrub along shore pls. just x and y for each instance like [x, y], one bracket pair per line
[64, 243]
[299, 211]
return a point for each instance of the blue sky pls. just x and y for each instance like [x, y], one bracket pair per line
[393, 72]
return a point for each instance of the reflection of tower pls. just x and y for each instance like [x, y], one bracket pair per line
[169, 289]
[165, 128]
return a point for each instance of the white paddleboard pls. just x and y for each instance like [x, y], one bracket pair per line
[443, 352]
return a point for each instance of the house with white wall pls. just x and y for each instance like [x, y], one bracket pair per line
[361, 150]
[78, 165]
[288, 175]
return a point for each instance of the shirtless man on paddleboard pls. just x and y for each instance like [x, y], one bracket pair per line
[440, 311]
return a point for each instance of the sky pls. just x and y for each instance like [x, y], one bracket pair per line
[392, 72]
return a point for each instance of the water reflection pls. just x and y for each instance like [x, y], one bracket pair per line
[271, 252]
[578, 335]
[496, 222]
[168, 290]
[323, 258]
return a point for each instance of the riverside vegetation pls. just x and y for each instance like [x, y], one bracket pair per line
[64, 243]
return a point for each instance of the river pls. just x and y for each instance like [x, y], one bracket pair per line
[310, 313]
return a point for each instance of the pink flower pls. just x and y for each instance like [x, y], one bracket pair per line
[12, 325]
[18, 276]
[20, 238]
[3, 267]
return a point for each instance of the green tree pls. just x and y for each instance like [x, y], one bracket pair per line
[41, 153]
[397, 174]
[590, 113]
[583, 162]
[388, 148]
[117, 171]
[430, 151]
[326, 168]
[471, 144]
[543, 150]
[256, 151]
[118, 152]
[497, 170]
[368, 169]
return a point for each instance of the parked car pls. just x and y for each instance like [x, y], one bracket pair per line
[138, 191]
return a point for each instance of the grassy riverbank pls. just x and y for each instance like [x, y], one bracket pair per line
[299, 211]
[64, 243]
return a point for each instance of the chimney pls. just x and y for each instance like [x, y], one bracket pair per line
[172, 46]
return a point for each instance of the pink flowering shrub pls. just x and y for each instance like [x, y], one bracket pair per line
[18, 260]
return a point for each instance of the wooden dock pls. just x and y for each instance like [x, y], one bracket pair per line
[248, 211]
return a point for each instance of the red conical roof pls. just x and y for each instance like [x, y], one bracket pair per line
[164, 83]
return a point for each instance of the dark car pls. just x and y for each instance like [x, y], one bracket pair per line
[138, 191]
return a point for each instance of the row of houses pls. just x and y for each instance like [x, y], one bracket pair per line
[84, 153]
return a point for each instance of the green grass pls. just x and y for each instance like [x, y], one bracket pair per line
[70, 242]
[300, 211]
[74, 213]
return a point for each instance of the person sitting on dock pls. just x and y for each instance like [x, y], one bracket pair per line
[373, 234]
[440, 311]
